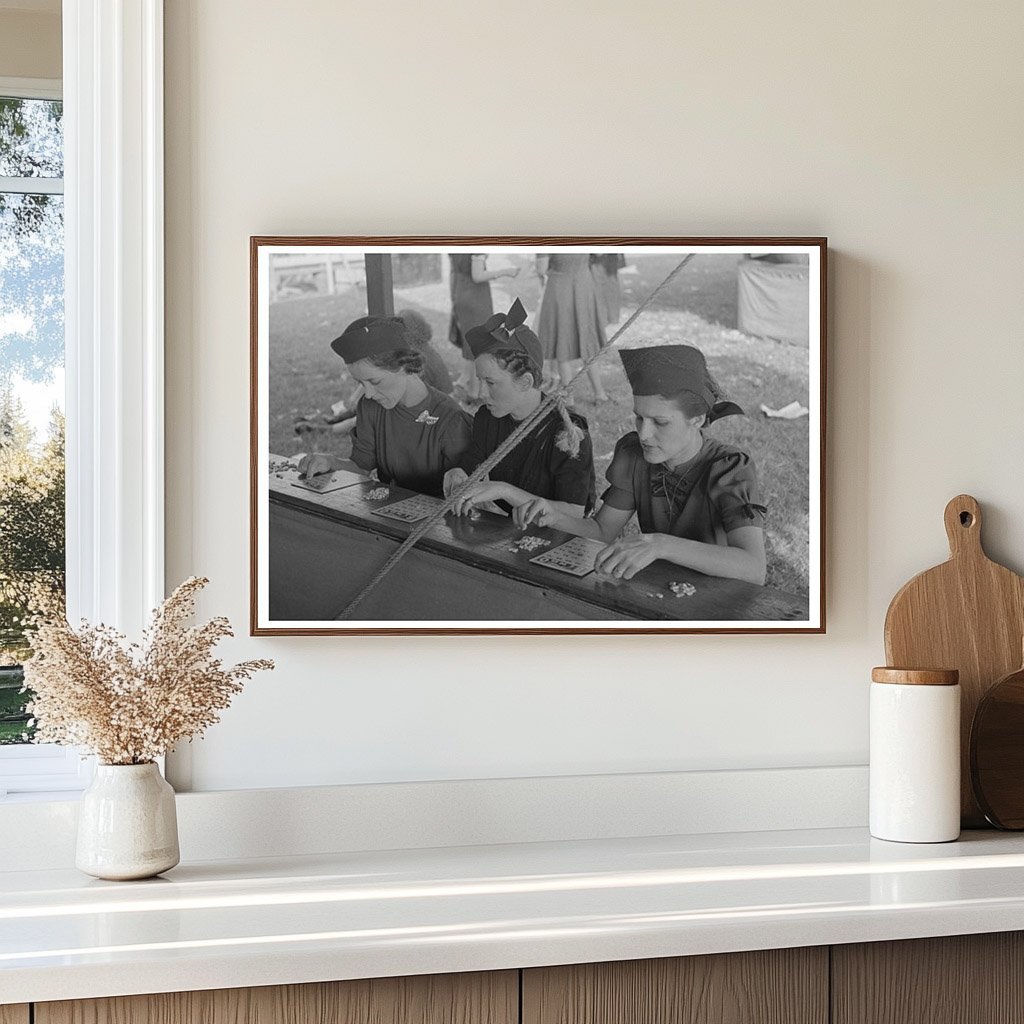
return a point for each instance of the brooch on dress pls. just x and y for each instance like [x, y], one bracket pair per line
[425, 417]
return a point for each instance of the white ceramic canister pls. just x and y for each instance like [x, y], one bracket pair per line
[915, 755]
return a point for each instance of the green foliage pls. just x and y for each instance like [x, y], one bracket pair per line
[31, 548]
[31, 524]
[14, 727]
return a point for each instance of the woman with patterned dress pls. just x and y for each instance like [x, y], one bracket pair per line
[571, 319]
[696, 499]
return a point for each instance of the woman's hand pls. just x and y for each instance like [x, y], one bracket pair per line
[479, 494]
[453, 480]
[313, 465]
[538, 511]
[509, 272]
[626, 557]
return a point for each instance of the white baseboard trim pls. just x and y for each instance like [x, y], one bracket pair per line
[239, 824]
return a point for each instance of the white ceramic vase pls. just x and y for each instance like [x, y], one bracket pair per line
[127, 825]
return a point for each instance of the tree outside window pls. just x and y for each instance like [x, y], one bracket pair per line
[31, 385]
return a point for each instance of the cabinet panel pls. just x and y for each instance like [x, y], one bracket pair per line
[14, 1014]
[778, 986]
[962, 979]
[481, 998]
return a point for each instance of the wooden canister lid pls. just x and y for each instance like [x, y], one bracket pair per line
[916, 676]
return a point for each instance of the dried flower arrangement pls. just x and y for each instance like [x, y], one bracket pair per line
[129, 704]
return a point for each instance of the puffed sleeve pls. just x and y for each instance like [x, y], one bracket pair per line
[364, 436]
[456, 438]
[476, 451]
[574, 474]
[733, 490]
[621, 493]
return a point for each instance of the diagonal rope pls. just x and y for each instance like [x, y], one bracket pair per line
[551, 401]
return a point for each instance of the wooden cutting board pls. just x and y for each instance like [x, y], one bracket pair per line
[967, 614]
[997, 752]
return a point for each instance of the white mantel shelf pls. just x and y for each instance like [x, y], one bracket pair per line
[224, 924]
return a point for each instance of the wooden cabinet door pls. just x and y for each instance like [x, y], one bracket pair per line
[14, 1014]
[482, 998]
[777, 986]
[961, 979]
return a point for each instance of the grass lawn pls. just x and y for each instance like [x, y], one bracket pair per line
[699, 308]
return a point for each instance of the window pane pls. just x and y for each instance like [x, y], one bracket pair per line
[31, 431]
[31, 138]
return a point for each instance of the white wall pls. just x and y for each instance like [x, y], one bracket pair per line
[894, 129]
[29, 42]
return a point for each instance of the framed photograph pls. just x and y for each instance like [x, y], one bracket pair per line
[537, 435]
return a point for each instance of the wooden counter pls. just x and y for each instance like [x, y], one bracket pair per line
[324, 548]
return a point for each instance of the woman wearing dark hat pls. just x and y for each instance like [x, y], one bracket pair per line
[407, 431]
[555, 460]
[471, 305]
[434, 374]
[697, 500]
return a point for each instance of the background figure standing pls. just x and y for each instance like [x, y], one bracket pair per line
[435, 373]
[571, 320]
[471, 306]
[605, 267]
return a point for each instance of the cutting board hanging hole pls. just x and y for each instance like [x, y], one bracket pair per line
[963, 526]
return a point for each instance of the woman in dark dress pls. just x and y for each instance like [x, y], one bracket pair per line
[547, 463]
[406, 431]
[471, 306]
[697, 500]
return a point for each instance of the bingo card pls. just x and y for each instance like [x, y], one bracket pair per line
[575, 557]
[410, 510]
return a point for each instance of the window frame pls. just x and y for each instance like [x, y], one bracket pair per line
[38, 767]
[112, 90]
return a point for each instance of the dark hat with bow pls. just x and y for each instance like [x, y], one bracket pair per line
[669, 370]
[370, 336]
[506, 330]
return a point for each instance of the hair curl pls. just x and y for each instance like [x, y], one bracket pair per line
[517, 362]
[691, 404]
[401, 360]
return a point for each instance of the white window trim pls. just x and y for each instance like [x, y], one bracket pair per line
[32, 88]
[31, 186]
[114, 327]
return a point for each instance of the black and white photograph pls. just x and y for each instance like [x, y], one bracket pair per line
[545, 435]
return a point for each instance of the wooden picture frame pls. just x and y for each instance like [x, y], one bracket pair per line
[335, 560]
